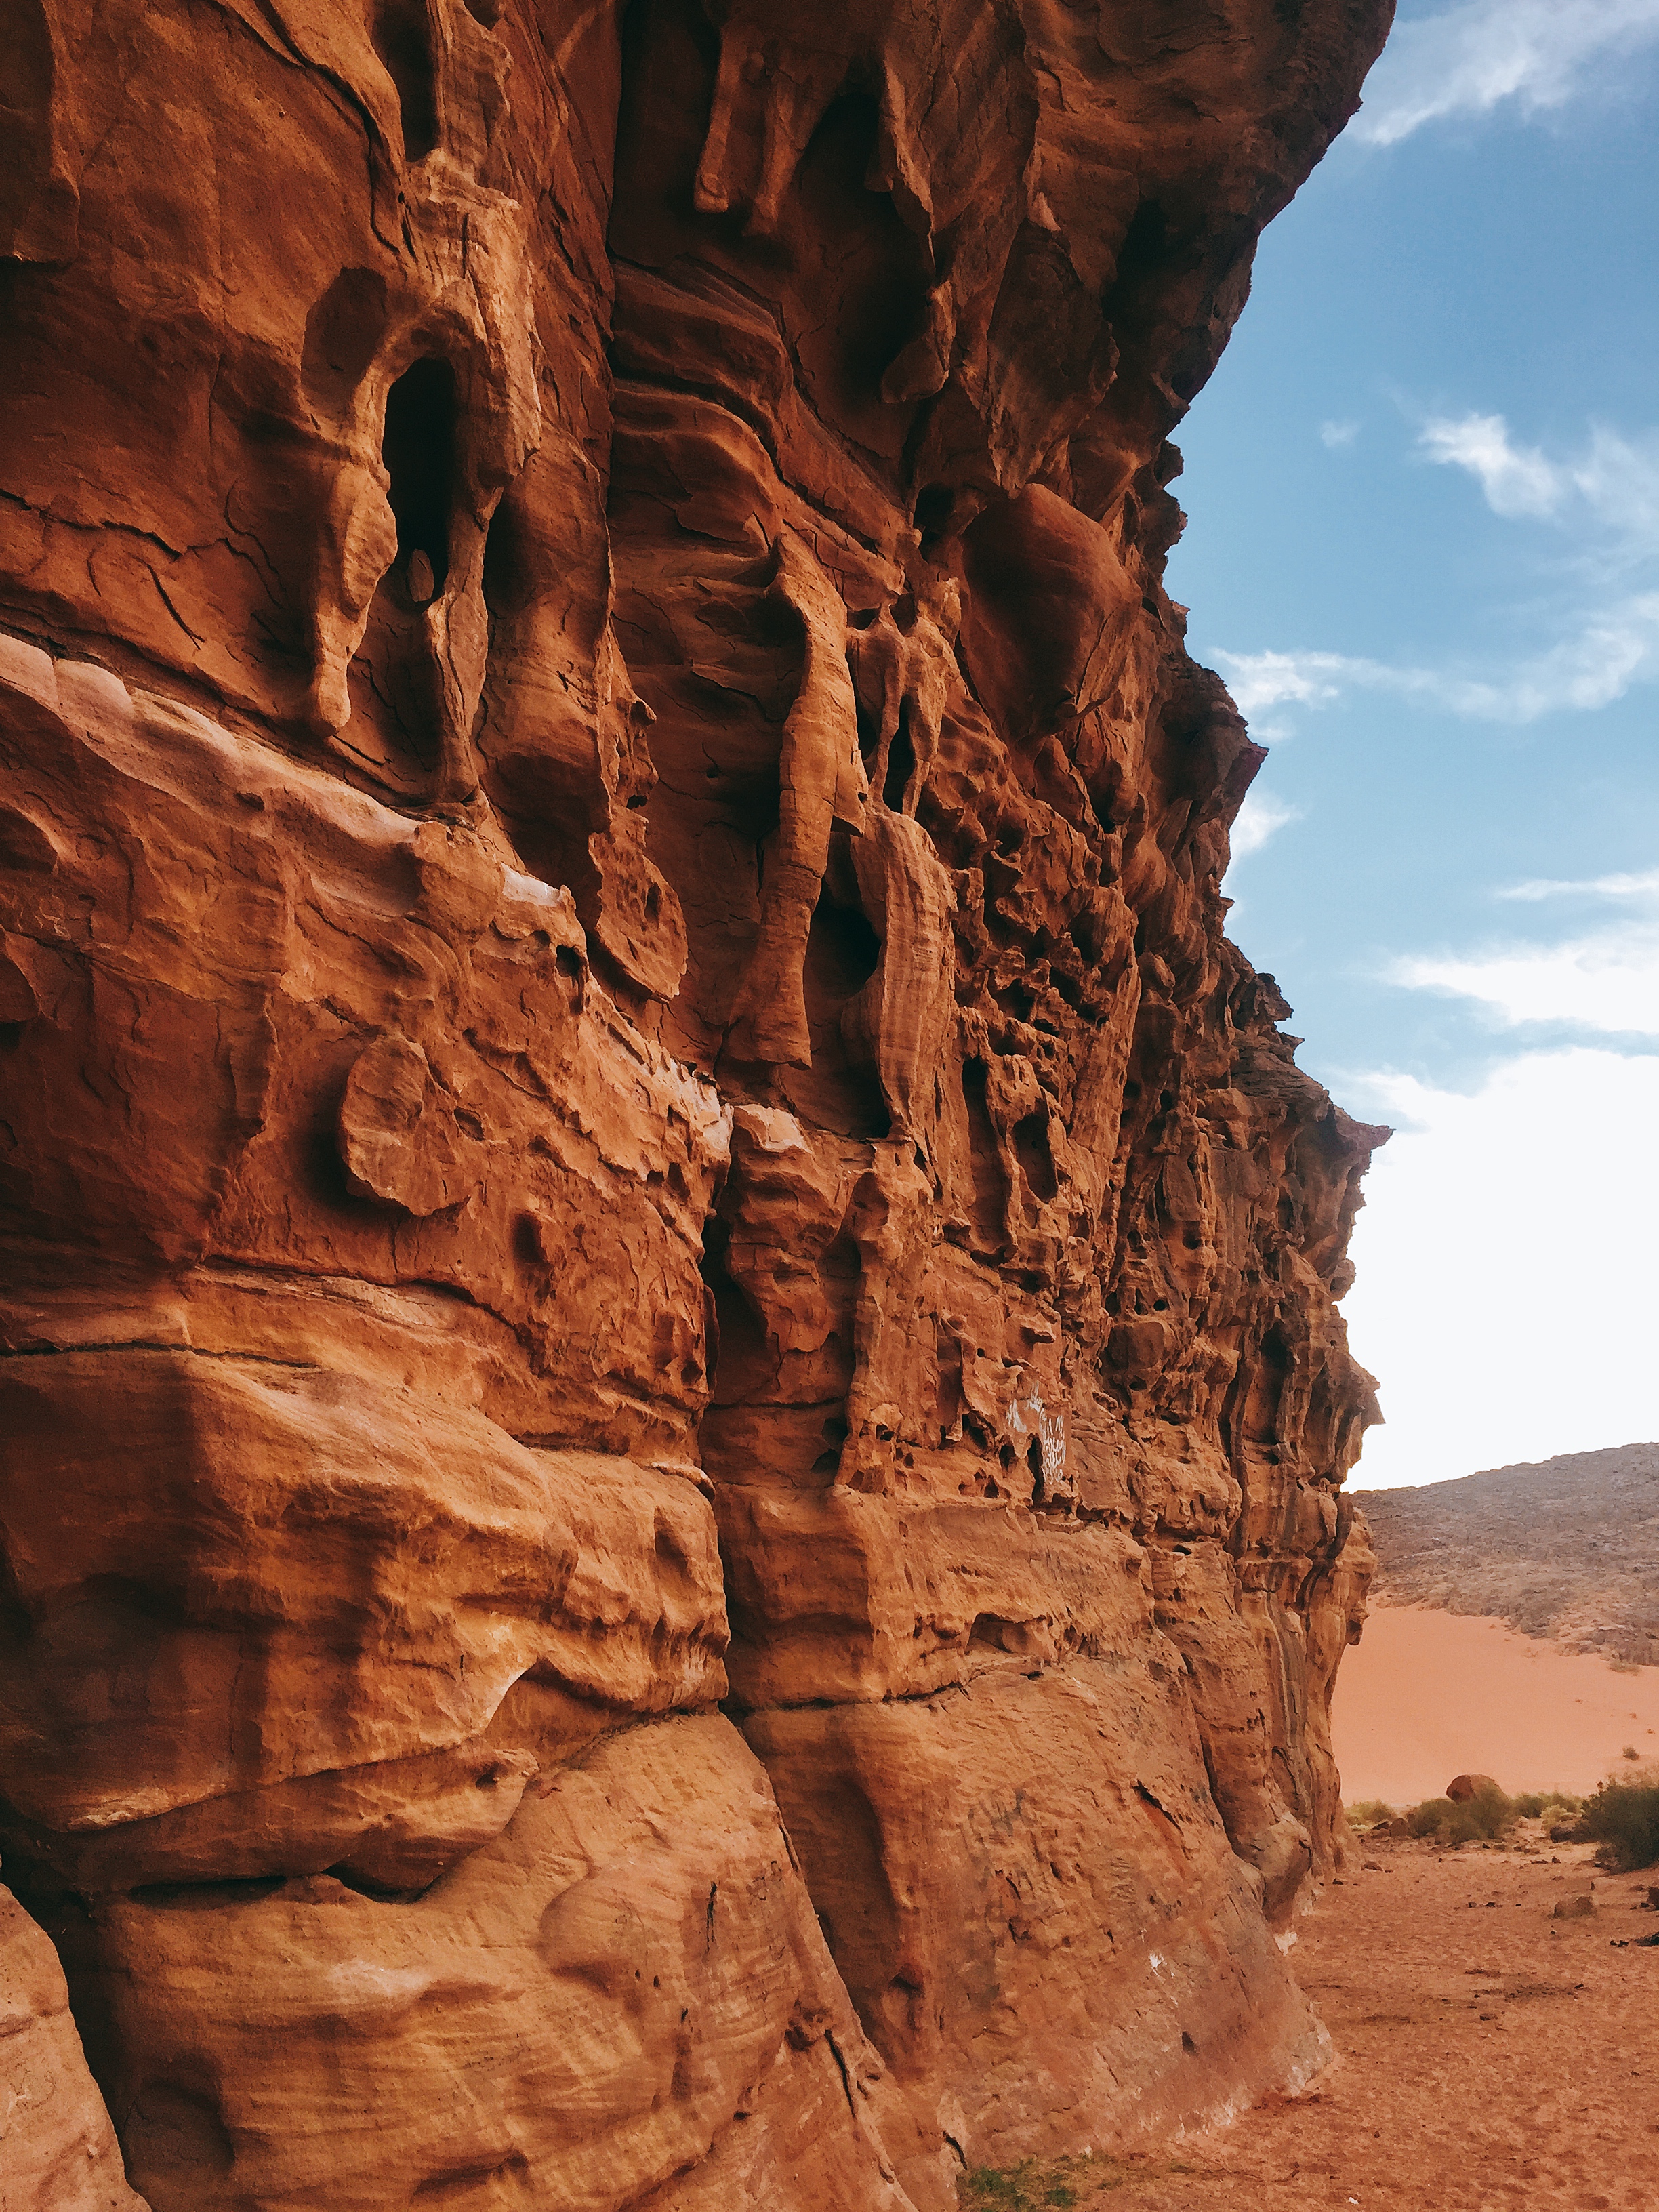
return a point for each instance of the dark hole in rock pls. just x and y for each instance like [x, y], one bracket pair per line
[901, 764]
[206, 1896]
[932, 513]
[739, 1357]
[990, 1189]
[403, 39]
[1034, 1460]
[1031, 1149]
[419, 448]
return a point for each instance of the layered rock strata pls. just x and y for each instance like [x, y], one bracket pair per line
[674, 1412]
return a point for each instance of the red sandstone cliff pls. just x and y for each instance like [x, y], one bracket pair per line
[673, 1416]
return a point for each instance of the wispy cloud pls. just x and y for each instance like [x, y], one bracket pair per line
[1335, 435]
[1615, 648]
[1258, 819]
[1261, 680]
[1612, 485]
[1470, 60]
[1602, 501]
[1605, 980]
[1547, 887]
[1516, 479]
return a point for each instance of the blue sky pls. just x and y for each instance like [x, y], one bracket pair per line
[1423, 548]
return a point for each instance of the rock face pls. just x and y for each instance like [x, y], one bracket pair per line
[673, 1410]
[1567, 1548]
[57, 2150]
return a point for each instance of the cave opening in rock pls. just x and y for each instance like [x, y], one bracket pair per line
[1034, 1460]
[418, 449]
[985, 1158]
[403, 39]
[1035, 1153]
[395, 684]
[901, 764]
[842, 1090]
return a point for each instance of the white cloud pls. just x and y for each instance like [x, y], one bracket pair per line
[1616, 647]
[1605, 499]
[1605, 979]
[1505, 1296]
[1516, 479]
[1618, 480]
[1613, 485]
[1470, 60]
[1259, 680]
[1546, 887]
[1258, 819]
[1335, 435]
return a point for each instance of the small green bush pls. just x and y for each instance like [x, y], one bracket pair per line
[1368, 1812]
[1532, 1804]
[1033, 2185]
[1483, 1817]
[1623, 1817]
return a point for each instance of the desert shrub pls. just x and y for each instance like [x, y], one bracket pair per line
[1050, 2185]
[1481, 1817]
[1368, 1812]
[1623, 1817]
[1037, 2184]
[1532, 1804]
[1027, 2187]
[1428, 1818]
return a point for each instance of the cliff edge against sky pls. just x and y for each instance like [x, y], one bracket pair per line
[673, 1412]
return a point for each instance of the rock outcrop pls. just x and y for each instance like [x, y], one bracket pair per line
[57, 2150]
[674, 1411]
[1565, 1548]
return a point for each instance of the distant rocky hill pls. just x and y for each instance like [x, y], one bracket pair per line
[1565, 1548]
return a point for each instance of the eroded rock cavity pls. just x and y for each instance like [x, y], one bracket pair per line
[674, 1413]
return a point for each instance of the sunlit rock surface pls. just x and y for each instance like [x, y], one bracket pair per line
[673, 1411]
[57, 2150]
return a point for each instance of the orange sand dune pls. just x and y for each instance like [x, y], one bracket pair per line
[1426, 1695]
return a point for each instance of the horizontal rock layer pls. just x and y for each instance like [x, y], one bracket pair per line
[673, 1405]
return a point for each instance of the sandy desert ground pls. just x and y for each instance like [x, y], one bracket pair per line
[1489, 2055]
[1426, 1695]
